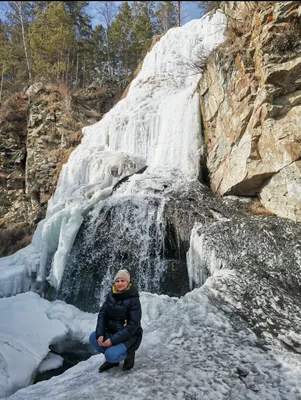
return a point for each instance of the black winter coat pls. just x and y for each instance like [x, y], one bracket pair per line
[120, 315]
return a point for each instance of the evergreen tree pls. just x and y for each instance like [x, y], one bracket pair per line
[142, 30]
[78, 56]
[39, 6]
[51, 37]
[207, 6]
[120, 33]
[96, 65]
[166, 16]
[5, 66]
[19, 15]
[107, 11]
[4, 48]
[55, 40]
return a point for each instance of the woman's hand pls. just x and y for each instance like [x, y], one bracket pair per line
[100, 341]
[107, 343]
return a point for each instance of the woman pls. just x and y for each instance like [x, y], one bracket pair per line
[118, 331]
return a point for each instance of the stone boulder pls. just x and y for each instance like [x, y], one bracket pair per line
[39, 128]
[251, 102]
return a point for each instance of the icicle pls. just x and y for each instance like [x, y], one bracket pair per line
[201, 261]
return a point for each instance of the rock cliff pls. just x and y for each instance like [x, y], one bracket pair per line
[251, 103]
[39, 128]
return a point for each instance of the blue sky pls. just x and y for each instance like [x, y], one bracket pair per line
[189, 11]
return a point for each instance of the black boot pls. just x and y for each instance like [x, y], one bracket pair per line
[129, 361]
[106, 365]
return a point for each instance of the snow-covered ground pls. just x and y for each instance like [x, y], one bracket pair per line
[190, 350]
[156, 125]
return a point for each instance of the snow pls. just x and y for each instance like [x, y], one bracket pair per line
[190, 350]
[157, 124]
[25, 334]
[200, 263]
[145, 128]
[16, 270]
[52, 361]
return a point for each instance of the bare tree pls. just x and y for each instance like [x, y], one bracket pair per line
[107, 11]
[180, 10]
[207, 6]
[2, 75]
[18, 8]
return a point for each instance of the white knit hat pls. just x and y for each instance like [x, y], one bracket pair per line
[123, 273]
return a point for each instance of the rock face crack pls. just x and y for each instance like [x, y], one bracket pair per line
[250, 111]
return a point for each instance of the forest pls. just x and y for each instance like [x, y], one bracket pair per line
[54, 41]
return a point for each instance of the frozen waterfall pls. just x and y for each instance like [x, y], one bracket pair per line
[157, 125]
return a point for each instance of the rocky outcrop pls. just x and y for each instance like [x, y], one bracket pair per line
[13, 132]
[251, 102]
[38, 130]
[149, 235]
[260, 275]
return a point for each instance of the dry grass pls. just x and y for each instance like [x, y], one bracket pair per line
[4, 222]
[51, 87]
[14, 238]
[48, 97]
[64, 158]
[240, 19]
[66, 95]
[288, 40]
[256, 208]
[69, 122]
[15, 106]
[60, 96]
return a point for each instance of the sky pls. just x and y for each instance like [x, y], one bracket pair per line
[162, 96]
[146, 128]
[189, 11]
[191, 350]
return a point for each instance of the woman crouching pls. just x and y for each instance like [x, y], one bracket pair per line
[118, 331]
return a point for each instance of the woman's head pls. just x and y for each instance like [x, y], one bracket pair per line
[122, 279]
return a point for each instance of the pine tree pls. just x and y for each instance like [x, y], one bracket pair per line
[5, 65]
[51, 37]
[166, 16]
[78, 56]
[19, 16]
[207, 6]
[142, 30]
[120, 37]
[4, 47]
[96, 58]
[107, 11]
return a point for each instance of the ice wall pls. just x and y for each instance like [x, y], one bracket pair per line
[201, 262]
[157, 124]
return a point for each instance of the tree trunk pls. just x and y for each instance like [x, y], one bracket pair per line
[76, 71]
[58, 69]
[108, 54]
[19, 4]
[1, 82]
[84, 71]
[72, 67]
[67, 67]
[179, 13]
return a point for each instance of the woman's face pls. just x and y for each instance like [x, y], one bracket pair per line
[121, 284]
